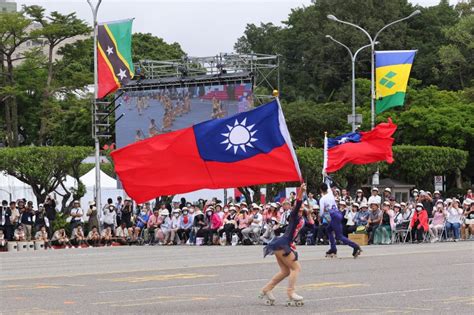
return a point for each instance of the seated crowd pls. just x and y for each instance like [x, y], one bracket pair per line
[424, 217]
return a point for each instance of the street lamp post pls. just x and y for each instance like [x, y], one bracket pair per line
[353, 59]
[372, 41]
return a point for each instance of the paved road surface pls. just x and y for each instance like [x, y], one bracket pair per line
[399, 279]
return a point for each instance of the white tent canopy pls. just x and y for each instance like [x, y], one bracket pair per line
[106, 181]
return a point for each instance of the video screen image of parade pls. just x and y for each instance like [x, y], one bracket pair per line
[152, 112]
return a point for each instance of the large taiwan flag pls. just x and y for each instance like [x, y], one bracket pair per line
[248, 148]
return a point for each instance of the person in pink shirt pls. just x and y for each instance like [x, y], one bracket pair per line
[153, 225]
[242, 222]
[437, 225]
[216, 223]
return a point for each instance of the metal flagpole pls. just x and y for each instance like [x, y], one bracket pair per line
[95, 9]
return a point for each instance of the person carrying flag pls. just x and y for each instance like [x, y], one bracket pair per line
[284, 249]
[328, 204]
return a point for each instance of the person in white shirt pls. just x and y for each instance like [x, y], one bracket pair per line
[122, 234]
[76, 215]
[110, 217]
[174, 225]
[350, 226]
[375, 198]
[252, 232]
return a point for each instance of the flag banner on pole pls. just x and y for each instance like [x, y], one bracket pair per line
[114, 56]
[248, 148]
[392, 71]
[360, 147]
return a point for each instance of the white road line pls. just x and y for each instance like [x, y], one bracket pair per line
[463, 264]
[370, 294]
[184, 286]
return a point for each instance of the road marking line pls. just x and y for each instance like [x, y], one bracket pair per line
[184, 286]
[370, 294]
[462, 264]
[163, 302]
[177, 276]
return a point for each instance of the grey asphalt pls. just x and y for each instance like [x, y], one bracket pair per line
[399, 279]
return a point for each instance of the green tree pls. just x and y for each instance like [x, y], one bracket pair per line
[43, 168]
[13, 33]
[147, 46]
[55, 29]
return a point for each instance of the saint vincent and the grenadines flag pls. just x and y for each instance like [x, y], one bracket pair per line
[114, 56]
[392, 71]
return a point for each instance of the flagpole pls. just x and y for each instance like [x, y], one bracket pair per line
[95, 9]
[325, 155]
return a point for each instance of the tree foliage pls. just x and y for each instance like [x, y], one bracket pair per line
[43, 168]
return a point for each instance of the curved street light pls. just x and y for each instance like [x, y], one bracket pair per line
[353, 60]
[372, 41]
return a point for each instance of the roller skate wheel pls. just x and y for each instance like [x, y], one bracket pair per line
[269, 302]
[299, 303]
[289, 303]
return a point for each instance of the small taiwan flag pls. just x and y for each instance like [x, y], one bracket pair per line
[114, 56]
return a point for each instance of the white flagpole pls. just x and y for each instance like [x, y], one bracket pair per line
[325, 157]
[95, 9]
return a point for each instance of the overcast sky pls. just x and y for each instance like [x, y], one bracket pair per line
[202, 27]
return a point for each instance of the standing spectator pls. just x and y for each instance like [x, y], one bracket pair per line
[76, 215]
[5, 221]
[106, 236]
[375, 218]
[41, 219]
[454, 219]
[50, 207]
[19, 234]
[93, 238]
[419, 223]
[77, 236]
[185, 225]
[118, 210]
[427, 202]
[311, 200]
[15, 216]
[345, 196]
[436, 197]
[360, 198]
[387, 193]
[109, 217]
[127, 211]
[60, 239]
[42, 235]
[26, 219]
[92, 214]
[437, 225]
[469, 195]
[375, 198]
[251, 234]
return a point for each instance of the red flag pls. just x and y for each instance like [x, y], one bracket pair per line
[360, 147]
[249, 148]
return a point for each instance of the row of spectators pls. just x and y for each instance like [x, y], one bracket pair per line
[423, 217]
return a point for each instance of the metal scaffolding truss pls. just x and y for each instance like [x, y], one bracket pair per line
[263, 69]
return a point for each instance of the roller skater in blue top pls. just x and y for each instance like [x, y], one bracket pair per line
[334, 216]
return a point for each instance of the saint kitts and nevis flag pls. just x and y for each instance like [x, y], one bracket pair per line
[392, 71]
[114, 56]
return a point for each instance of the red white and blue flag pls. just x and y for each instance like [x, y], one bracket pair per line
[359, 147]
[248, 148]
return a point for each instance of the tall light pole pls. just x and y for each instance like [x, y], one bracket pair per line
[353, 59]
[95, 9]
[372, 41]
